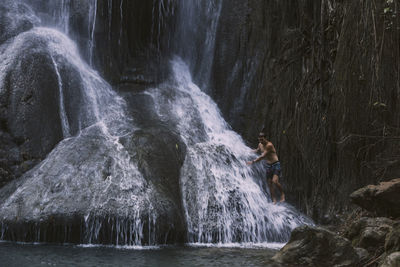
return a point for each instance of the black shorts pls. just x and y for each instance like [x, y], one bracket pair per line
[274, 168]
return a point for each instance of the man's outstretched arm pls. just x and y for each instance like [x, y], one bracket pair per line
[263, 155]
[257, 149]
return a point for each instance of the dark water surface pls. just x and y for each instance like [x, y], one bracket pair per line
[13, 254]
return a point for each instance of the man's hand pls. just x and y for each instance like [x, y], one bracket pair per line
[250, 162]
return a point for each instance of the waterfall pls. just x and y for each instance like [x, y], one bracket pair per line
[222, 200]
[161, 11]
[96, 177]
[64, 16]
[196, 34]
[92, 28]
[88, 173]
[63, 116]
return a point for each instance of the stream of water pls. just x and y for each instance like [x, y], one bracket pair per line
[12, 254]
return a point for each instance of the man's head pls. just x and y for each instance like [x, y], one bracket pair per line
[262, 138]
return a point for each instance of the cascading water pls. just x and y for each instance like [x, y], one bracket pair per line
[97, 184]
[89, 174]
[64, 15]
[161, 11]
[222, 197]
[196, 34]
[63, 116]
[92, 28]
[222, 201]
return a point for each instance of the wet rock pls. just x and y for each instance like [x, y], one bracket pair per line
[370, 233]
[5, 176]
[392, 260]
[160, 155]
[31, 83]
[144, 72]
[33, 104]
[362, 253]
[392, 242]
[383, 199]
[15, 17]
[314, 246]
[29, 102]
[91, 183]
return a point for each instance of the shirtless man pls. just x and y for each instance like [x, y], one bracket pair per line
[268, 152]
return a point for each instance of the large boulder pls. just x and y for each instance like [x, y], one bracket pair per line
[90, 190]
[94, 188]
[31, 83]
[315, 246]
[15, 18]
[370, 233]
[33, 98]
[29, 111]
[383, 199]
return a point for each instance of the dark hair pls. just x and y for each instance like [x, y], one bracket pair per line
[261, 134]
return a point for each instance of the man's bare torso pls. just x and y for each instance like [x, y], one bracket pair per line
[270, 155]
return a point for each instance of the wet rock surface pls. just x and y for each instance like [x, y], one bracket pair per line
[15, 17]
[29, 106]
[89, 189]
[32, 114]
[279, 64]
[96, 197]
[382, 199]
[314, 246]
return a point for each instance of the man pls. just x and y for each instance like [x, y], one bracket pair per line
[268, 152]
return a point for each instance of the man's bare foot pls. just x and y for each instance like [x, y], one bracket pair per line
[274, 201]
[282, 198]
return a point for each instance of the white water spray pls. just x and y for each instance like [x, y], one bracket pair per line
[92, 28]
[222, 200]
[90, 171]
[63, 116]
[64, 16]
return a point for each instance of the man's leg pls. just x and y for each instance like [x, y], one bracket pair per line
[271, 190]
[275, 180]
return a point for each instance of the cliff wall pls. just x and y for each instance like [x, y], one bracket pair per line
[322, 78]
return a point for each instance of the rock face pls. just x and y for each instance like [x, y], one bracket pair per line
[294, 68]
[382, 199]
[275, 64]
[370, 233]
[106, 181]
[29, 113]
[105, 200]
[314, 246]
[15, 17]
